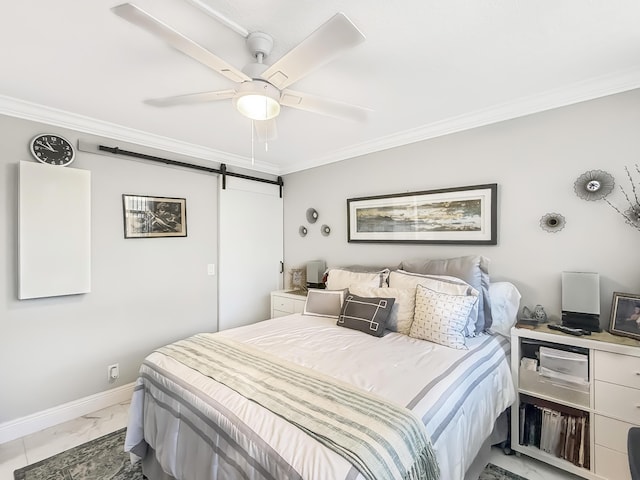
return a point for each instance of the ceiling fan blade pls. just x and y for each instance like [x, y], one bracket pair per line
[265, 130]
[191, 98]
[142, 19]
[324, 106]
[328, 41]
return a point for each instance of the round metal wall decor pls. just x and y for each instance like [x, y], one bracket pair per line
[552, 222]
[312, 215]
[326, 230]
[302, 231]
[594, 185]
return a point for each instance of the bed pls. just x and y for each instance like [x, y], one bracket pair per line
[191, 421]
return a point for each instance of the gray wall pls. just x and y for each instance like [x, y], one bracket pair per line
[145, 292]
[534, 160]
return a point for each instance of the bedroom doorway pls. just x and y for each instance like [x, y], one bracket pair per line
[250, 243]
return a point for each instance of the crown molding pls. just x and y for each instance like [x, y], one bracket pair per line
[575, 93]
[572, 94]
[40, 113]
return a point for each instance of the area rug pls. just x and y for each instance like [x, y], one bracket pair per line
[104, 458]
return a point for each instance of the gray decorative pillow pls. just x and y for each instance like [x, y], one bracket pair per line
[324, 303]
[441, 317]
[366, 314]
[473, 269]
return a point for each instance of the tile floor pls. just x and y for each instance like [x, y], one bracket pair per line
[40, 445]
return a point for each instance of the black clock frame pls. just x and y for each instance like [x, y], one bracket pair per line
[58, 150]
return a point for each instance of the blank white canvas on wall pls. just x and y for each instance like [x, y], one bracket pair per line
[54, 231]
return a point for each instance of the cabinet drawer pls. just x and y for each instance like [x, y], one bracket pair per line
[611, 464]
[618, 401]
[535, 383]
[283, 304]
[617, 368]
[298, 306]
[279, 313]
[611, 433]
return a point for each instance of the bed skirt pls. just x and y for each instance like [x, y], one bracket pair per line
[153, 471]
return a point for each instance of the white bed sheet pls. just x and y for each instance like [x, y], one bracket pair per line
[457, 393]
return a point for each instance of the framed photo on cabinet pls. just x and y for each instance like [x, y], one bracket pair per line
[625, 315]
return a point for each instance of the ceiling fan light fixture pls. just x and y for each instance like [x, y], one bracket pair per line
[258, 100]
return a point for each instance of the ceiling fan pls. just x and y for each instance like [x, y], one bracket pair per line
[262, 89]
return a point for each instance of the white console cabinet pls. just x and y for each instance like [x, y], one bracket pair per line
[286, 302]
[610, 402]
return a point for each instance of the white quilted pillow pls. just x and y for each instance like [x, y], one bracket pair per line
[338, 279]
[441, 318]
[401, 316]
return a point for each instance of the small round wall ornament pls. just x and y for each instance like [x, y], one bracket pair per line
[594, 185]
[552, 222]
[302, 231]
[312, 215]
[325, 230]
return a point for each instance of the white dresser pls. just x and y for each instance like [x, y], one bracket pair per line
[286, 302]
[612, 400]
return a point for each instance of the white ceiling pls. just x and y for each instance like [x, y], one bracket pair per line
[427, 68]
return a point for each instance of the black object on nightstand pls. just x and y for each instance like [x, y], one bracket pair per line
[571, 331]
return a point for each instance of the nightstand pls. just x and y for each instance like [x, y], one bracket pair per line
[610, 402]
[286, 302]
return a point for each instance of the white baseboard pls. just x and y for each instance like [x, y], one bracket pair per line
[63, 413]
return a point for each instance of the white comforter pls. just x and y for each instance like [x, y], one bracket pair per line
[202, 430]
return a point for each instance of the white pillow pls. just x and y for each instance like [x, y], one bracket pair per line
[505, 305]
[324, 303]
[439, 283]
[441, 318]
[338, 279]
[401, 316]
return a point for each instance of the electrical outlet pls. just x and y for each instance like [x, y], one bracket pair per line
[113, 372]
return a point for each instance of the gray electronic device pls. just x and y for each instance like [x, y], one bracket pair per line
[315, 273]
[581, 300]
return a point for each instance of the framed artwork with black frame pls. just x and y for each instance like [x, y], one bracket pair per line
[462, 216]
[153, 217]
[625, 315]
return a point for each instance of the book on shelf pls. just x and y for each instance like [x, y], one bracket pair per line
[560, 431]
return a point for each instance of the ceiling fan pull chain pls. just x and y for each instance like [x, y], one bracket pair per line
[253, 160]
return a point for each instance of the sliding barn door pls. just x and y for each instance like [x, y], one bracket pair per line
[251, 249]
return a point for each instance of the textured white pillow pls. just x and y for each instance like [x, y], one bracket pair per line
[441, 318]
[442, 284]
[338, 279]
[401, 316]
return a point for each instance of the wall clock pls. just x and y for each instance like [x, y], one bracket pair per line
[52, 149]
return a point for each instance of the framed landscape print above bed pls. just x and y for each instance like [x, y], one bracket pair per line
[461, 215]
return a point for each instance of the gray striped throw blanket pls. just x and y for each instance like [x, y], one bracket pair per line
[382, 440]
